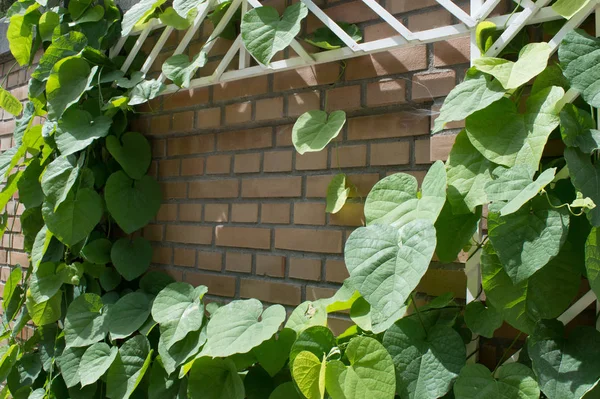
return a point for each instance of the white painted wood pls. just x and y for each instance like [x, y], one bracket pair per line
[390, 19]
[156, 49]
[571, 24]
[485, 10]
[458, 12]
[330, 23]
[137, 46]
[233, 50]
[116, 49]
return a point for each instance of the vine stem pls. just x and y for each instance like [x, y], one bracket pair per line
[418, 312]
[506, 352]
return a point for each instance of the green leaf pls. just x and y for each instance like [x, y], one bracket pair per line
[483, 320]
[273, 353]
[161, 384]
[215, 379]
[78, 7]
[307, 314]
[182, 351]
[61, 47]
[128, 369]
[58, 179]
[97, 251]
[132, 151]
[69, 362]
[29, 186]
[529, 238]
[309, 374]
[486, 33]
[12, 282]
[324, 37]
[132, 203]
[512, 188]
[577, 128]
[512, 380]
[110, 279]
[315, 129]
[77, 129]
[337, 193]
[69, 79]
[521, 138]
[181, 70]
[318, 340]
[10, 103]
[533, 59]
[127, 315]
[585, 177]
[8, 358]
[230, 32]
[48, 21]
[592, 260]
[454, 232]
[386, 264]
[42, 242]
[545, 295]
[46, 312]
[96, 360]
[138, 13]
[426, 362]
[287, 390]
[578, 54]
[264, 33]
[477, 92]
[146, 91]
[240, 326]
[180, 306]
[76, 217]
[154, 281]
[566, 368]
[45, 282]
[24, 373]
[85, 323]
[395, 200]
[468, 171]
[184, 7]
[131, 257]
[20, 36]
[369, 375]
[568, 8]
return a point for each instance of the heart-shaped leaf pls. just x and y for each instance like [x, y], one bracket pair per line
[69, 362]
[578, 54]
[315, 129]
[77, 129]
[578, 129]
[69, 79]
[97, 251]
[394, 200]
[318, 340]
[132, 151]
[133, 203]
[337, 193]
[85, 323]
[76, 217]
[528, 239]
[568, 8]
[131, 257]
[325, 38]
[215, 379]
[46, 312]
[10, 103]
[137, 13]
[273, 353]
[181, 70]
[426, 362]
[454, 232]
[127, 315]
[387, 263]
[307, 314]
[592, 259]
[97, 359]
[181, 352]
[512, 380]
[265, 34]
[585, 176]
[146, 91]
[369, 375]
[240, 326]
[483, 320]
[29, 186]
[45, 282]
[309, 374]
[128, 369]
[58, 179]
[63, 46]
[533, 59]
[180, 306]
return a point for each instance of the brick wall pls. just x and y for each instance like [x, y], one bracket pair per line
[242, 212]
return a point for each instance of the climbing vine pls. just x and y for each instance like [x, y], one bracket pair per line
[107, 327]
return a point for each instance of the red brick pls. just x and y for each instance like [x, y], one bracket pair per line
[277, 161]
[349, 156]
[237, 262]
[191, 145]
[309, 213]
[387, 63]
[379, 31]
[210, 260]
[352, 214]
[244, 213]
[167, 212]
[183, 121]
[185, 257]
[386, 92]
[238, 113]
[168, 168]
[451, 52]
[217, 284]
[209, 117]
[314, 293]
[186, 98]
[152, 232]
[311, 161]
[216, 213]
[306, 76]
[218, 164]
[172, 190]
[299, 103]
[189, 234]
[272, 187]
[426, 87]
[309, 240]
[190, 212]
[160, 124]
[269, 108]
[440, 146]
[269, 291]
[192, 166]
[400, 6]
[275, 213]
[335, 271]
[245, 139]
[240, 88]
[350, 12]
[270, 265]
[305, 268]
[422, 151]
[243, 237]
[396, 153]
[343, 98]
[283, 136]
[400, 124]
[429, 20]
[247, 163]
[162, 255]
[222, 188]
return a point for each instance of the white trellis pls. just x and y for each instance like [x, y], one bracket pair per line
[533, 12]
